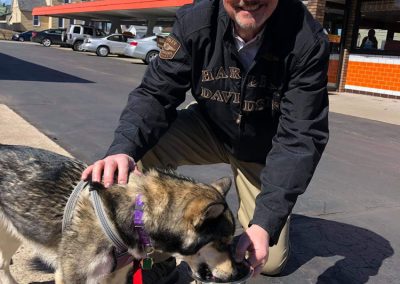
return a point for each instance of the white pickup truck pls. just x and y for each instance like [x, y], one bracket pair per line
[76, 34]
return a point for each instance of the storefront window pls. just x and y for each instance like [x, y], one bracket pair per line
[333, 27]
[378, 27]
[333, 23]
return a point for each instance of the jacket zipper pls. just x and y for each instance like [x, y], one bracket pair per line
[239, 119]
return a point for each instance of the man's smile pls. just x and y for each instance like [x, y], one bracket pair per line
[249, 7]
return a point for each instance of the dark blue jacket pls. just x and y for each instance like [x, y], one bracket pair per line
[276, 113]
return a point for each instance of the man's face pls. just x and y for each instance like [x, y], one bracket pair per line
[250, 15]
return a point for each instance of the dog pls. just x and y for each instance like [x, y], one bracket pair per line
[183, 218]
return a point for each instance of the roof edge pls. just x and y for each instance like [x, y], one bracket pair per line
[106, 5]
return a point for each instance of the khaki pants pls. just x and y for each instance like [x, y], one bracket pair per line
[189, 141]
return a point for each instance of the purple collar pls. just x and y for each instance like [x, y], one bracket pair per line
[144, 238]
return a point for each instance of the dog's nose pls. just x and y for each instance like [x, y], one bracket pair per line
[205, 272]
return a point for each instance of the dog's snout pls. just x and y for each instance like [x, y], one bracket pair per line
[204, 272]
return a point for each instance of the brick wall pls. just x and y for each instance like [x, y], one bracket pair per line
[333, 69]
[347, 44]
[317, 9]
[374, 74]
[380, 5]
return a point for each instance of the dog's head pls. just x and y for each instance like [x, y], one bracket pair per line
[196, 226]
[211, 228]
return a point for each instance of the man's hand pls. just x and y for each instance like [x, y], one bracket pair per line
[256, 241]
[106, 168]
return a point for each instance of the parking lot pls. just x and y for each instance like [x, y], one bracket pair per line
[344, 228]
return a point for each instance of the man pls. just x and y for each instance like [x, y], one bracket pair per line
[257, 70]
[370, 41]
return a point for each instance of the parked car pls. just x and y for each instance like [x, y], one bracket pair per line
[24, 36]
[161, 39]
[112, 44]
[76, 34]
[145, 49]
[48, 37]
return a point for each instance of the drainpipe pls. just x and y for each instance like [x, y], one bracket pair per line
[346, 42]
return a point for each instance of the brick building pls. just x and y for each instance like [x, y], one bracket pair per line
[21, 18]
[360, 63]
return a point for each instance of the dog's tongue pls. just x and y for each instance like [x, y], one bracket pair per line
[216, 279]
[212, 278]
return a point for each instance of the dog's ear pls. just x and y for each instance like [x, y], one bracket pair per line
[222, 185]
[212, 211]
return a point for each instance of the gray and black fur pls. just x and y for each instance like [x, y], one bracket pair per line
[183, 218]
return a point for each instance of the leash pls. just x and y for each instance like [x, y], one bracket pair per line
[107, 226]
[121, 250]
[121, 254]
[71, 203]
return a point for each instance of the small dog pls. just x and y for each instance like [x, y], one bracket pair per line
[183, 218]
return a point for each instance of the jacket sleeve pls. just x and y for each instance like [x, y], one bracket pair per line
[299, 142]
[151, 107]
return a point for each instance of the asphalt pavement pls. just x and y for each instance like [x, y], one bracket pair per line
[345, 227]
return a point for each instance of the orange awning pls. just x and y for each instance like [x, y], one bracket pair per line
[107, 10]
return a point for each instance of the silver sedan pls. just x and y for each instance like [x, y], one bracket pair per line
[112, 44]
[145, 49]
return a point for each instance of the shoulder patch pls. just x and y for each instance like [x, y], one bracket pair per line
[170, 48]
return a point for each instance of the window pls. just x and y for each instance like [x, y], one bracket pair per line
[60, 22]
[67, 1]
[77, 30]
[99, 32]
[333, 23]
[378, 27]
[115, 38]
[88, 31]
[36, 21]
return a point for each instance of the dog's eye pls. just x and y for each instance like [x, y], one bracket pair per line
[222, 246]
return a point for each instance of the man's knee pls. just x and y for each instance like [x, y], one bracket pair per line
[278, 254]
[276, 262]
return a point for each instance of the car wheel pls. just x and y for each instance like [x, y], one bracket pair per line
[77, 45]
[21, 39]
[150, 56]
[102, 51]
[46, 42]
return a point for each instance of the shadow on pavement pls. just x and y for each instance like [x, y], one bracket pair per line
[12, 68]
[362, 251]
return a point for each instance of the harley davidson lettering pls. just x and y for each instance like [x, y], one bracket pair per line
[233, 97]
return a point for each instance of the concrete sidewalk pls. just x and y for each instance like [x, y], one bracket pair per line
[374, 108]
[16, 130]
